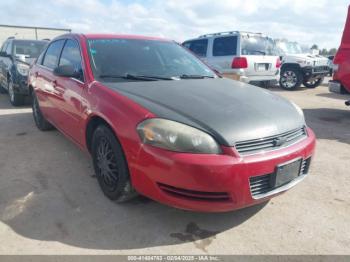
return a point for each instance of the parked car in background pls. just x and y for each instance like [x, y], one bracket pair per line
[16, 55]
[330, 64]
[159, 122]
[341, 68]
[300, 68]
[248, 57]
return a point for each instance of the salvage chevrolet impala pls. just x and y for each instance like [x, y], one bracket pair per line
[159, 122]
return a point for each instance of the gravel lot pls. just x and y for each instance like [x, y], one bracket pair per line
[50, 203]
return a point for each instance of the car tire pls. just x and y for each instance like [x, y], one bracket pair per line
[313, 84]
[40, 121]
[291, 78]
[15, 99]
[110, 166]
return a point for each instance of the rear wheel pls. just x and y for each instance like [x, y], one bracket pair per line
[39, 119]
[313, 83]
[15, 99]
[110, 165]
[291, 78]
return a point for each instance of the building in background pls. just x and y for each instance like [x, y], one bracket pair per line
[30, 32]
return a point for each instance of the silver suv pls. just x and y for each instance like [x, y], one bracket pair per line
[248, 57]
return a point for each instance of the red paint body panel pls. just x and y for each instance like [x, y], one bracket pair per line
[342, 58]
[70, 105]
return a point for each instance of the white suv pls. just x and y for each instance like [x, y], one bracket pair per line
[244, 56]
[299, 67]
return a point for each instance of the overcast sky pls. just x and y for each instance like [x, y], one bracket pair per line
[305, 21]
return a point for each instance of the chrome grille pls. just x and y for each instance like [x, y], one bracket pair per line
[260, 184]
[271, 143]
[264, 184]
[320, 69]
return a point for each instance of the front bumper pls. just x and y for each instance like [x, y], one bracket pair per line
[334, 86]
[211, 183]
[311, 72]
[241, 76]
[20, 85]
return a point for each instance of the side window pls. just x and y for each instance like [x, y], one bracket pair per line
[9, 48]
[199, 47]
[224, 46]
[52, 54]
[71, 57]
[40, 58]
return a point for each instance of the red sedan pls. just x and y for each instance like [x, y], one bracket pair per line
[159, 122]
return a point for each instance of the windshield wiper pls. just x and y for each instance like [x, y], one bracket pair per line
[137, 77]
[258, 51]
[194, 76]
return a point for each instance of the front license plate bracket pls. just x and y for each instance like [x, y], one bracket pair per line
[286, 172]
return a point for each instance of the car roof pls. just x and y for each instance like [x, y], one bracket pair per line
[114, 36]
[226, 34]
[28, 40]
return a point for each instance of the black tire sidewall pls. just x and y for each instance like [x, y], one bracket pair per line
[17, 98]
[297, 73]
[124, 190]
[41, 123]
[318, 83]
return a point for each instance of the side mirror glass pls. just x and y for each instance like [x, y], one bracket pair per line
[4, 54]
[67, 71]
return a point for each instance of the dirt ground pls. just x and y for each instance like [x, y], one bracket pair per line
[50, 202]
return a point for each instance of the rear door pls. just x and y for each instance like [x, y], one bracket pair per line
[198, 47]
[2, 65]
[261, 55]
[67, 93]
[6, 63]
[46, 81]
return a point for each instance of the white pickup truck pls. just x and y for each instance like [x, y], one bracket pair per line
[299, 67]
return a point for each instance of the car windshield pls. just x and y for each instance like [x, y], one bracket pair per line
[142, 60]
[289, 47]
[257, 45]
[28, 49]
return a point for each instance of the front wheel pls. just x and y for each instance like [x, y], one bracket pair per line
[313, 83]
[110, 165]
[15, 99]
[291, 78]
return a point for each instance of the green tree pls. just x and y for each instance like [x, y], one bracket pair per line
[314, 46]
[332, 51]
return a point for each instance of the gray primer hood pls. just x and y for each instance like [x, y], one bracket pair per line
[229, 110]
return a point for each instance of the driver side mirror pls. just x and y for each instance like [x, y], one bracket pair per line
[67, 71]
[4, 54]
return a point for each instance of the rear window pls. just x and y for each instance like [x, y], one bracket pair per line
[224, 46]
[258, 45]
[199, 47]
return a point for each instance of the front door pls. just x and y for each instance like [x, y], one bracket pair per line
[67, 93]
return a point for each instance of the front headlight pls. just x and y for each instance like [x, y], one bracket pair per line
[177, 137]
[23, 69]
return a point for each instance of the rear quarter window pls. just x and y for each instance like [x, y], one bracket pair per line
[225, 46]
[199, 47]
